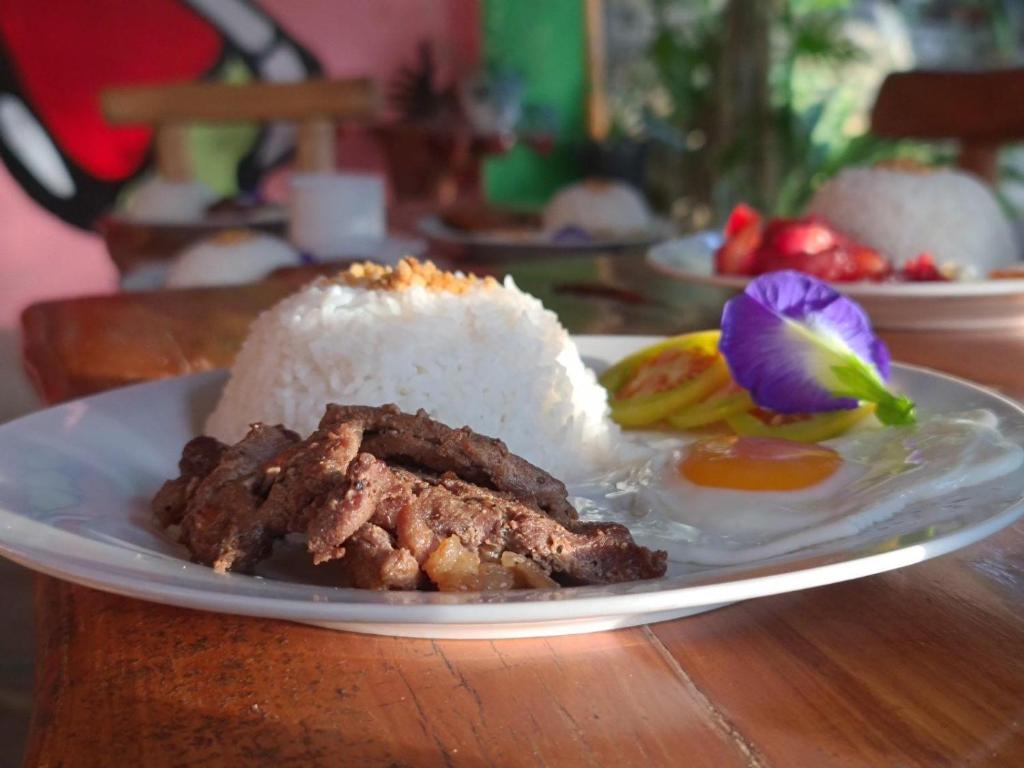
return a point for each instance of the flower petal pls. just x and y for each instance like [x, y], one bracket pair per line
[767, 358]
[800, 347]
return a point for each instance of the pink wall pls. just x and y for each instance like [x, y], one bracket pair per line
[40, 257]
[375, 37]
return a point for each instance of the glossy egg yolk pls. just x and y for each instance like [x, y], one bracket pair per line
[758, 463]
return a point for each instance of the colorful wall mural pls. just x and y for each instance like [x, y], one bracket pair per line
[63, 166]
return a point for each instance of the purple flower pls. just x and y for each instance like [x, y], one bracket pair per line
[801, 347]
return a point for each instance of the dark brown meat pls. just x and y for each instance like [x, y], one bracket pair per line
[476, 518]
[420, 441]
[318, 466]
[588, 553]
[366, 489]
[370, 485]
[372, 562]
[491, 523]
[299, 476]
[229, 495]
[198, 458]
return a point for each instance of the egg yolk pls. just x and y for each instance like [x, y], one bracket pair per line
[758, 463]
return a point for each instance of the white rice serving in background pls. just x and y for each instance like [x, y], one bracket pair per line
[230, 257]
[490, 357]
[903, 213]
[598, 206]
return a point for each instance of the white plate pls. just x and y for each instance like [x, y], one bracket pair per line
[959, 305]
[511, 243]
[75, 482]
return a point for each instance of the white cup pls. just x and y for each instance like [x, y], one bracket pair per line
[332, 213]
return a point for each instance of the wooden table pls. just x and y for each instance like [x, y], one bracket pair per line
[918, 667]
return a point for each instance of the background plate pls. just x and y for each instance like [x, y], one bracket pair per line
[511, 244]
[966, 305]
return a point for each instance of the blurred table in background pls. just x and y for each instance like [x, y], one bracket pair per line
[85, 345]
[79, 346]
[916, 667]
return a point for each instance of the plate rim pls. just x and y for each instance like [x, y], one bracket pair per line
[547, 611]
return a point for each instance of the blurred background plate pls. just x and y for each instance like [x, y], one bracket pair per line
[512, 242]
[965, 305]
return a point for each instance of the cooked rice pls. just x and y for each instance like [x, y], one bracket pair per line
[903, 213]
[468, 351]
[598, 206]
[230, 257]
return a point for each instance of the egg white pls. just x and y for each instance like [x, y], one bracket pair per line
[884, 471]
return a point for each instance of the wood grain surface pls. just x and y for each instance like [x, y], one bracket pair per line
[917, 667]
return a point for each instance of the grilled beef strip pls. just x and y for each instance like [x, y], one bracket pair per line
[420, 441]
[369, 485]
[198, 458]
[492, 523]
[300, 477]
[224, 500]
[373, 562]
[365, 487]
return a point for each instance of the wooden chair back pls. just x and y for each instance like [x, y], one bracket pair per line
[316, 105]
[980, 110]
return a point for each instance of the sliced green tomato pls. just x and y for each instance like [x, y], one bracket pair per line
[721, 403]
[618, 375]
[802, 427]
[657, 381]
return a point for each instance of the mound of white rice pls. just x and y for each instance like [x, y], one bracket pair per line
[900, 213]
[492, 358]
[599, 206]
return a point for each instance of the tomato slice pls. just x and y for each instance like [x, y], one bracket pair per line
[657, 381]
[802, 427]
[921, 268]
[724, 401]
[793, 237]
[742, 217]
[742, 238]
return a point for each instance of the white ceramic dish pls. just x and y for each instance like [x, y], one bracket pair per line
[512, 243]
[962, 305]
[75, 482]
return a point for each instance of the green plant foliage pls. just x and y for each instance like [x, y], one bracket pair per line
[810, 125]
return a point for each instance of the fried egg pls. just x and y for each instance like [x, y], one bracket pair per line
[705, 509]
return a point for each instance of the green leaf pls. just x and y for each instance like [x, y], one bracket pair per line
[854, 378]
[896, 410]
[859, 381]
